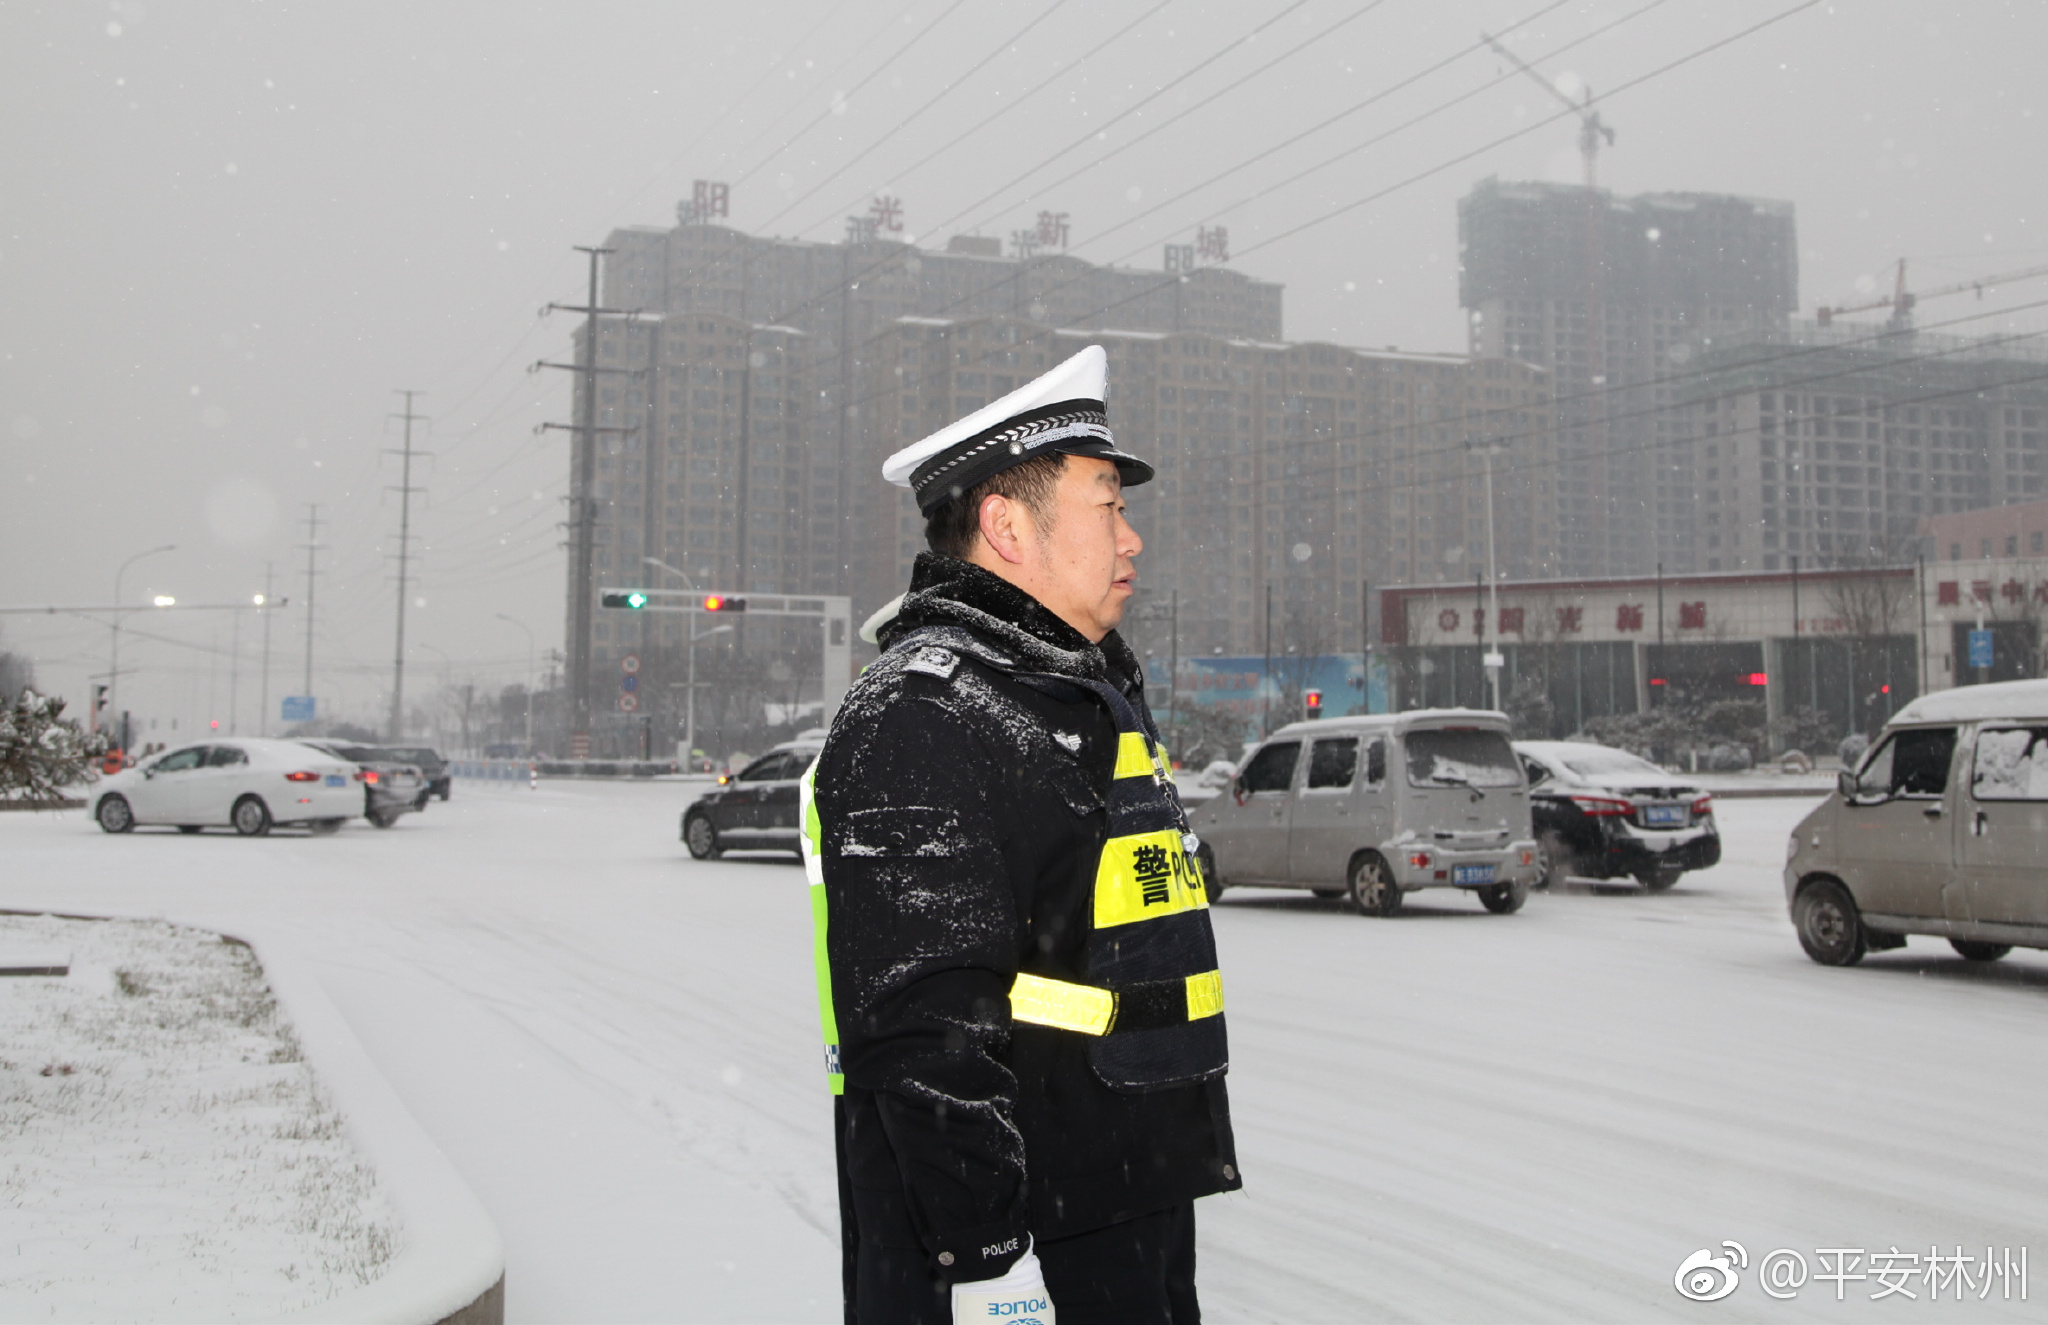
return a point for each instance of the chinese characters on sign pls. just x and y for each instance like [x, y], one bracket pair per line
[1212, 243]
[709, 198]
[1628, 616]
[1692, 616]
[1569, 620]
[1052, 230]
[887, 214]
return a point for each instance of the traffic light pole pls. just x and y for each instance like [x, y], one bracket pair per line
[832, 612]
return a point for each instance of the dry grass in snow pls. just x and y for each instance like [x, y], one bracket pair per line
[165, 1152]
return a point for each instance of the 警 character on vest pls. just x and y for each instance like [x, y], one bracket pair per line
[1022, 1010]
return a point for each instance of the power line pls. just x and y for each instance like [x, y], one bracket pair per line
[895, 129]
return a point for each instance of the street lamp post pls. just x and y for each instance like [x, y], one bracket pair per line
[114, 655]
[690, 693]
[1493, 657]
[529, 676]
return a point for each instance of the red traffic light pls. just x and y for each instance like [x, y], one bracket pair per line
[1312, 700]
[720, 603]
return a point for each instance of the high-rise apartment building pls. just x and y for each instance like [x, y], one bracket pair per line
[1613, 295]
[746, 405]
[1834, 444]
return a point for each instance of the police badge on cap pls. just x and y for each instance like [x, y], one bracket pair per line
[1059, 413]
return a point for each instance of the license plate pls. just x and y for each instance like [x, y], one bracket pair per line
[1664, 816]
[1471, 874]
[337, 780]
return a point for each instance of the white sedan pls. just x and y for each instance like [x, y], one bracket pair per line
[249, 784]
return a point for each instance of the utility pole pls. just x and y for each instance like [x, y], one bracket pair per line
[583, 506]
[1493, 658]
[312, 547]
[263, 704]
[1266, 672]
[405, 490]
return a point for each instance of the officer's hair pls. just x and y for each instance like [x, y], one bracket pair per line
[953, 526]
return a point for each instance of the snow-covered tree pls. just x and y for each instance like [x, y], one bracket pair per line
[41, 751]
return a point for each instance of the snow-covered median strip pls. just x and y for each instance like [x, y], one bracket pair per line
[192, 1133]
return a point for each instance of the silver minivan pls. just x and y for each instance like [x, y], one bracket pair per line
[1374, 807]
[1942, 830]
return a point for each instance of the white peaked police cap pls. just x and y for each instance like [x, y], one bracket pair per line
[1061, 412]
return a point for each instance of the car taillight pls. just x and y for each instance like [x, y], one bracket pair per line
[1703, 807]
[1601, 807]
[723, 779]
[1420, 860]
[1528, 858]
[370, 776]
[302, 776]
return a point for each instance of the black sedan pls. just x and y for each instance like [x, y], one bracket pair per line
[391, 786]
[431, 766]
[1602, 813]
[755, 811]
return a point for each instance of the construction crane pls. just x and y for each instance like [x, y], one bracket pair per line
[1591, 127]
[1902, 301]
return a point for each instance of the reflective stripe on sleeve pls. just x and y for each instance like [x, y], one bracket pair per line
[1060, 1004]
[812, 847]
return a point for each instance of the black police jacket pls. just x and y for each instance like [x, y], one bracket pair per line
[961, 814]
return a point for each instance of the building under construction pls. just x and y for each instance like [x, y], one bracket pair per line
[1615, 296]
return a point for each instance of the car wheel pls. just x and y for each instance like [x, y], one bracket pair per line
[1557, 861]
[1830, 928]
[324, 827]
[188, 828]
[1373, 890]
[382, 818]
[1660, 879]
[1212, 878]
[250, 816]
[1504, 899]
[421, 803]
[701, 838]
[115, 815]
[1977, 950]
[1327, 894]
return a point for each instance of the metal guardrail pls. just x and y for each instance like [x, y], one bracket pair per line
[521, 770]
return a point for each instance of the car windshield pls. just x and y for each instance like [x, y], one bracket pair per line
[1461, 756]
[1609, 763]
[414, 754]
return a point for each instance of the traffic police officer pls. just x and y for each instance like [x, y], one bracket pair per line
[1022, 1008]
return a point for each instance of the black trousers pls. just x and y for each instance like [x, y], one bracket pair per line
[1139, 1272]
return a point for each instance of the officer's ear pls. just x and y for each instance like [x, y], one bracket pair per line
[1006, 527]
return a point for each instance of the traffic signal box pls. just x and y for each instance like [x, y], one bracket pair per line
[1312, 703]
[721, 603]
[632, 599]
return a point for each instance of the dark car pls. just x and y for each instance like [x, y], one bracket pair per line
[431, 766]
[1602, 813]
[391, 786]
[755, 811]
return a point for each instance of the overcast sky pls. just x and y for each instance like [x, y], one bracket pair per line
[228, 232]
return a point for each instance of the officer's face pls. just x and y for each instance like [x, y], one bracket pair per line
[1081, 560]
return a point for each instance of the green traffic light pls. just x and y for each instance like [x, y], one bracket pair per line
[636, 600]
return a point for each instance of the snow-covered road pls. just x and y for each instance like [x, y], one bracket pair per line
[1445, 1116]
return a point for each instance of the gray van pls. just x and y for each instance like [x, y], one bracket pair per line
[1374, 807]
[1942, 830]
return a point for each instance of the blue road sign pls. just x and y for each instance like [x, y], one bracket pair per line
[1980, 648]
[629, 683]
[298, 708]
